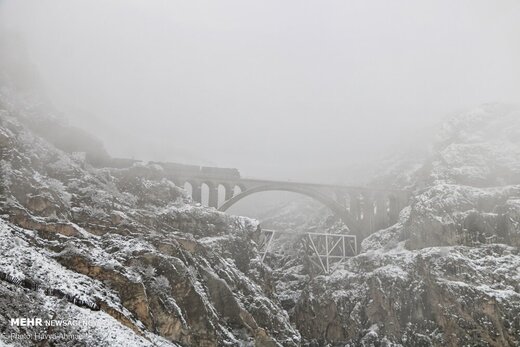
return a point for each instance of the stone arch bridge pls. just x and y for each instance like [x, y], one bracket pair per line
[364, 210]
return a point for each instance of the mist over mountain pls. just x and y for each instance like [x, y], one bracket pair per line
[114, 245]
[259, 174]
[281, 91]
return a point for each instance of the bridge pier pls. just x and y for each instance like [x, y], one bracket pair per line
[196, 192]
[393, 209]
[229, 191]
[368, 213]
[212, 195]
[341, 198]
[355, 207]
[381, 217]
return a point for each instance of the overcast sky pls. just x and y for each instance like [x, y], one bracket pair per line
[286, 89]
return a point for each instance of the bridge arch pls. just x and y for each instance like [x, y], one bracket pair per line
[338, 210]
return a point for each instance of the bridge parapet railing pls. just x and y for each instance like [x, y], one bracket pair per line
[325, 251]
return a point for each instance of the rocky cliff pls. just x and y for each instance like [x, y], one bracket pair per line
[448, 273]
[126, 253]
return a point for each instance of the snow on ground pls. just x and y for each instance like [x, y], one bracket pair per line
[20, 261]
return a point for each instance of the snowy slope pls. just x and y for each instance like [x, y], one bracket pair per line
[447, 274]
[126, 250]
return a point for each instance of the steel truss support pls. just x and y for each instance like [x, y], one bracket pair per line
[325, 251]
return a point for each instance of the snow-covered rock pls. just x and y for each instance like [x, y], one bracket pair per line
[447, 274]
[126, 251]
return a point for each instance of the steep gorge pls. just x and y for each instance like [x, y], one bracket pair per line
[129, 252]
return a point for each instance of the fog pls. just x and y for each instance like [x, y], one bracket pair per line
[279, 89]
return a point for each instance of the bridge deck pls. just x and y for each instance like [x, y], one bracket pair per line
[316, 184]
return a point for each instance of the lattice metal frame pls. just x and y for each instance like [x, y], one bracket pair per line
[325, 251]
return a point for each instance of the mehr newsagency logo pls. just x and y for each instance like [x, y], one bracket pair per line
[39, 322]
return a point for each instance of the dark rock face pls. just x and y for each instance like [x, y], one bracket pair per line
[445, 296]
